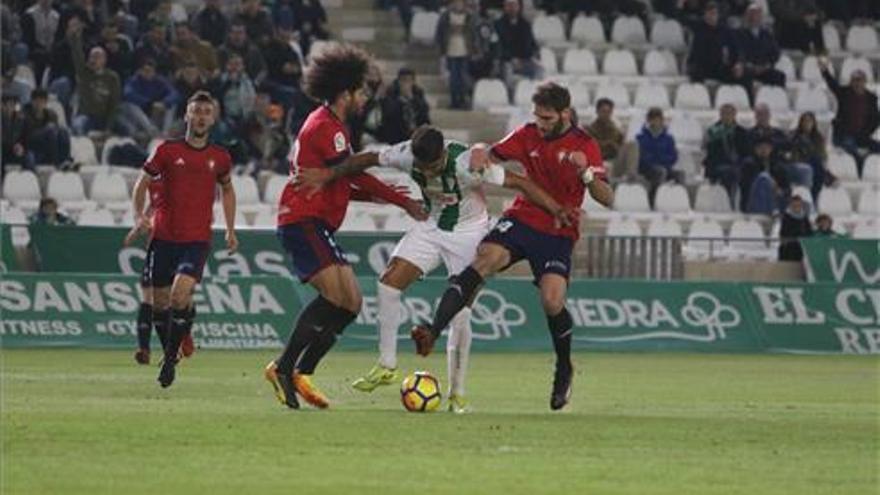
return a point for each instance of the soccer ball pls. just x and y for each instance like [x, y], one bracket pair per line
[420, 392]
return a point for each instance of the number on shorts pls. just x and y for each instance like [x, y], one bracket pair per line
[504, 226]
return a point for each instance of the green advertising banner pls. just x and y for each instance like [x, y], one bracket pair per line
[842, 260]
[258, 312]
[99, 250]
[8, 259]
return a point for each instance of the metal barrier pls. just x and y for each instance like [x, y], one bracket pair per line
[652, 258]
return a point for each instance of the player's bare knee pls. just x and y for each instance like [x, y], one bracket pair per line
[161, 299]
[181, 299]
[490, 259]
[552, 300]
[354, 301]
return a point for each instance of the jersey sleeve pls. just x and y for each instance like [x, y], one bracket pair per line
[493, 174]
[594, 160]
[332, 145]
[512, 147]
[224, 166]
[155, 164]
[398, 156]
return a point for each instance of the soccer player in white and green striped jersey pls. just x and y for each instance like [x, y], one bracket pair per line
[451, 176]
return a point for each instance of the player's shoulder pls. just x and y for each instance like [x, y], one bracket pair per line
[169, 144]
[219, 151]
[578, 133]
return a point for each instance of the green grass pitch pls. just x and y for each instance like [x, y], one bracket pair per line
[92, 422]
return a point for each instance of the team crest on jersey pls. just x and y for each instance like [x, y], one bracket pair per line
[211, 164]
[339, 142]
[561, 156]
[179, 161]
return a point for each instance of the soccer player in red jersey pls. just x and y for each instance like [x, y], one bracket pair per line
[189, 171]
[565, 162]
[308, 219]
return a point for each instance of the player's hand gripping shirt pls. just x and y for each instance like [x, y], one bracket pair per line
[454, 198]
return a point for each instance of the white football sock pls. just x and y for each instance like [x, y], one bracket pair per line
[389, 321]
[458, 350]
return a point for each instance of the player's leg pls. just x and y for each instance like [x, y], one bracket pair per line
[181, 299]
[398, 276]
[160, 259]
[144, 325]
[553, 289]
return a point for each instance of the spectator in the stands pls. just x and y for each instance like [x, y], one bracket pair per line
[726, 145]
[808, 147]
[48, 214]
[98, 87]
[258, 21]
[149, 99]
[45, 138]
[120, 56]
[519, 50]
[657, 152]
[14, 143]
[189, 48]
[311, 23]
[210, 24]
[764, 182]
[265, 141]
[189, 80]
[850, 10]
[11, 36]
[857, 114]
[90, 14]
[758, 50]
[764, 129]
[235, 91]
[284, 68]
[403, 108]
[154, 45]
[456, 38]
[797, 25]
[11, 85]
[485, 63]
[162, 15]
[39, 26]
[795, 225]
[623, 156]
[238, 42]
[825, 227]
[713, 53]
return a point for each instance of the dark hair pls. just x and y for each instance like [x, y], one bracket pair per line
[339, 68]
[406, 71]
[201, 96]
[604, 101]
[710, 6]
[552, 95]
[427, 144]
[39, 93]
[654, 113]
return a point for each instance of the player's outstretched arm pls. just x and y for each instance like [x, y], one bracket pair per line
[312, 179]
[228, 198]
[536, 194]
[139, 199]
[372, 189]
[598, 188]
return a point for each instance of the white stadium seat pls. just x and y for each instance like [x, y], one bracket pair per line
[12, 215]
[735, 95]
[274, 186]
[810, 71]
[659, 63]
[548, 30]
[82, 150]
[423, 27]
[774, 97]
[96, 218]
[868, 228]
[588, 31]
[220, 219]
[871, 169]
[668, 33]
[265, 219]
[53, 104]
[489, 93]
[852, 64]
[619, 63]
[631, 198]
[66, 187]
[615, 92]
[869, 202]
[664, 227]
[623, 227]
[692, 97]
[842, 165]
[651, 95]
[746, 235]
[548, 61]
[628, 31]
[580, 62]
[835, 201]
[109, 187]
[700, 238]
[712, 198]
[813, 99]
[672, 198]
[580, 94]
[522, 96]
[22, 188]
[786, 65]
[686, 130]
[25, 75]
[831, 37]
[862, 39]
[245, 190]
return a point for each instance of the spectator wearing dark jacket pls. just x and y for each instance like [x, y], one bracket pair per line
[657, 152]
[857, 114]
[764, 182]
[149, 99]
[808, 147]
[764, 129]
[257, 20]
[46, 140]
[456, 38]
[713, 52]
[98, 87]
[210, 24]
[39, 26]
[726, 145]
[404, 108]
[48, 214]
[797, 25]
[154, 45]
[486, 62]
[14, 143]
[238, 42]
[120, 55]
[795, 224]
[189, 80]
[758, 50]
[519, 50]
